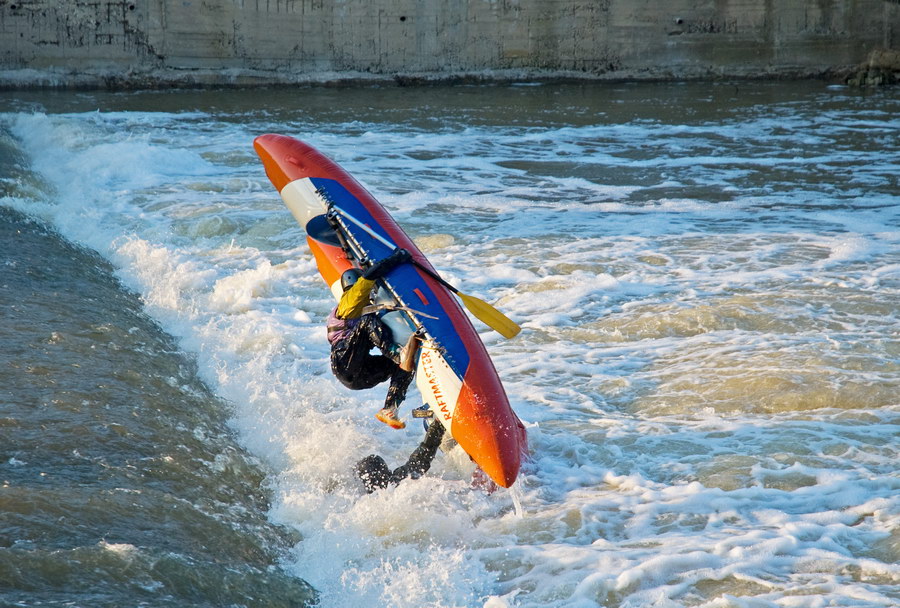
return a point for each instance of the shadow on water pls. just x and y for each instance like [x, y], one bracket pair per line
[120, 482]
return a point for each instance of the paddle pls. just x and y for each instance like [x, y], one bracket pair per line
[489, 315]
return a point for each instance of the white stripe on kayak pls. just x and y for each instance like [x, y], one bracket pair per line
[301, 198]
[439, 385]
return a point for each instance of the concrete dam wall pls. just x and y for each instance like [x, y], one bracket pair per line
[178, 42]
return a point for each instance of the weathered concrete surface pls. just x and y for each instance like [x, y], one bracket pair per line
[170, 42]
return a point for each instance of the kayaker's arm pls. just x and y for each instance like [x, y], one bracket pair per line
[357, 297]
[375, 474]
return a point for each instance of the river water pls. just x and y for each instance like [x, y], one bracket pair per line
[708, 280]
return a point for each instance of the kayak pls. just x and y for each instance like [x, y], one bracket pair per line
[346, 228]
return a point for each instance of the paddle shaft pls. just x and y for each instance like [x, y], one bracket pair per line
[481, 309]
[387, 243]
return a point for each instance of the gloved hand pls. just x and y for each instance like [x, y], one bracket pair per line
[382, 267]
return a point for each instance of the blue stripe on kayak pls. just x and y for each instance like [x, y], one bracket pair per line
[403, 279]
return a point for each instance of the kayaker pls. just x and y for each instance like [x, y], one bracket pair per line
[374, 473]
[353, 335]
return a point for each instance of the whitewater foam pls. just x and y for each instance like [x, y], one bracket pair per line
[708, 379]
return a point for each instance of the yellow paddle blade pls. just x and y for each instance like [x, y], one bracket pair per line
[490, 316]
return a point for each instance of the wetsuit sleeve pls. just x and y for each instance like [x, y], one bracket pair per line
[375, 474]
[420, 460]
[382, 267]
[355, 299]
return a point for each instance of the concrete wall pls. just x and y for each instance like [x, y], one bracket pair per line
[147, 42]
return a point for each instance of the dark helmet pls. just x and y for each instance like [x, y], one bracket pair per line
[350, 277]
[373, 472]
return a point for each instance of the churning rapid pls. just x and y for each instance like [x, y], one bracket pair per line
[708, 278]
